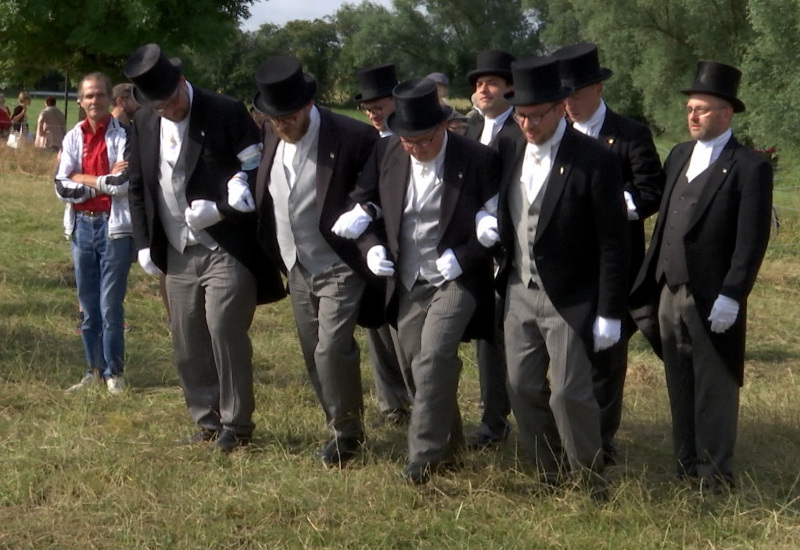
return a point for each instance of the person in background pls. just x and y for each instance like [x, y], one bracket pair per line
[51, 126]
[124, 104]
[19, 117]
[442, 86]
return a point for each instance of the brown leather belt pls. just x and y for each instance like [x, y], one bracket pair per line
[92, 213]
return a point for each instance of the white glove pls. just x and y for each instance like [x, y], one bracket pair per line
[377, 262]
[201, 214]
[147, 262]
[632, 213]
[239, 196]
[486, 229]
[606, 332]
[448, 265]
[352, 223]
[723, 313]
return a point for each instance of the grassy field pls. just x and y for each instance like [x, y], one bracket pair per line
[96, 471]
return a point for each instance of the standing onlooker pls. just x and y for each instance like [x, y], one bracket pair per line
[643, 181]
[3, 106]
[51, 126]
[561, 218]
[194, 156]
[690, 298]
[19, 117]
[394, 387]
[312, 157]
[492, 79]
[430, 184]
[124, 104]
[5, 117]
[91, 180]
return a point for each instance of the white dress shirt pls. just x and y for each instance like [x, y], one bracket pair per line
[491, 126]
[706, 152]
[538, 161]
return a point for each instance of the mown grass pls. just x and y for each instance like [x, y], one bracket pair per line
[96, 471]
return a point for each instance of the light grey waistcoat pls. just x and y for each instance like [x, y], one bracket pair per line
[419, 236]
[297, 218]
[525, 227]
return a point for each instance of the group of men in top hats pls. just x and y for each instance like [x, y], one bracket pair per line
[408, 229]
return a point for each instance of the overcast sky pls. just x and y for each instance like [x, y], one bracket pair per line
[278, 12]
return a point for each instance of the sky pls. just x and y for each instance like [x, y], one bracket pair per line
[278, 12]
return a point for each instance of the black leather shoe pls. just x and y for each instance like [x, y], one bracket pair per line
[340, 451]
[228, 441]
[483, 439]
[200, 437]
[419, 473]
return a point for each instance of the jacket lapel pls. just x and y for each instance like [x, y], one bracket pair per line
[327, 150]
[395, 172]
[453, 179]
[609, 130]
[196, 133]
[150, 147]
[267, 158]
[557, 180]
[719, 171]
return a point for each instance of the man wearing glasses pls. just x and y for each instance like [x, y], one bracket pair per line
[430, 184]
[561, 220]
[690, 297]
[311, 158]
[193, 161]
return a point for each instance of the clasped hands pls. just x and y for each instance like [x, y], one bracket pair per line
[377, 262]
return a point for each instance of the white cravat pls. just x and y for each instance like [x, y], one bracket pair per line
[491, 126]
[705, 153]
[592, 126]
[538, 161]
[294, 154]
[425, 176]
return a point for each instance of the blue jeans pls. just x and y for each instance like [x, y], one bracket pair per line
[101, 274]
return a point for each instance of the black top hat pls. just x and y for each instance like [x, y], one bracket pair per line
[283, 88]
[154, 77]
[717, 79]
[416, 108]
[495, 62]
[376, 82]
[536, 80]
[580, 65]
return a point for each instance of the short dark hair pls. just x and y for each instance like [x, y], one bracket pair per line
[50, 101]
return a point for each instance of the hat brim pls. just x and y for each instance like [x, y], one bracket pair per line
[277, 112]
[738, 104]
[148, 101]
[361, 97]
[473, 76]
[531, 98]
[588, 80]
[404, 131]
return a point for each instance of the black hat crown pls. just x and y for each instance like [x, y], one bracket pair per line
[283, 88]
[536, 80]
[717, 79]
[580, 65]
[153, 76]
[496, 62]
[416, 108]
[376, 82]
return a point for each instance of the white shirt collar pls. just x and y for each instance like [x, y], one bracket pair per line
[592, 126]
[492, 126]
[434, 164]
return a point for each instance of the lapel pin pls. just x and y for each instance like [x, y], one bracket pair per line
[561, 171]
[460, 176]
[332, 156]
[724, 170]
[610, 141]
[202, 133]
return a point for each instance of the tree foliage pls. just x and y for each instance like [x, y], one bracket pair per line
[37, 35]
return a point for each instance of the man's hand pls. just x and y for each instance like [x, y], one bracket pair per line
[202, 214]
[239, 196]
[448, 265]
[486, 229]
[147, 262]
[723, 314]
[377, 262]
[606, 332]
[352, 223]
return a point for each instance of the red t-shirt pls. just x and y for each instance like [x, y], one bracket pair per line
[95, 163]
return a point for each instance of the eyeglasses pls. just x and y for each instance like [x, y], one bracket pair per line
[288, 120]
[420, 143]
[701, 111]
[375, 111]
[534, 120]
[168, 103]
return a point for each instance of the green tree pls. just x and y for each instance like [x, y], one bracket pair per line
[38, 35]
